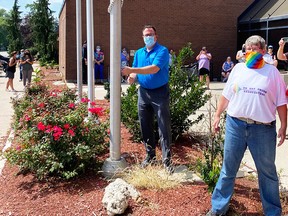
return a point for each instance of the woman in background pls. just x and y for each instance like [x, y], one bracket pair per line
[27, 69]
[11, 71]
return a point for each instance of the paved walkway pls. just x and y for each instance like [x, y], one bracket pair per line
[216, 89]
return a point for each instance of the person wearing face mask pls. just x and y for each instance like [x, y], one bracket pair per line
[99, 63]
[253, 94]
[151, 69]
[124, 61]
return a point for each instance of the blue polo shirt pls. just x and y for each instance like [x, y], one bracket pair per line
[158, 56]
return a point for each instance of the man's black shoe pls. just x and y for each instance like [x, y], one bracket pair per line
[148, 161]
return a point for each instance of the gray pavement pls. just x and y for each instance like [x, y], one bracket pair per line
[216, 89]
[5, 100]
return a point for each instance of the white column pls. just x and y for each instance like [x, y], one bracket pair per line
[115, 163]
[79, 48]
[115, 82]
[90, 52]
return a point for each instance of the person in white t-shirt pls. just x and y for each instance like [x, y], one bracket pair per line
[240, 56]
[254, 92]
[269, 57]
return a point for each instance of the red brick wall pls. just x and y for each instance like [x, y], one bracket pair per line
[203, 23]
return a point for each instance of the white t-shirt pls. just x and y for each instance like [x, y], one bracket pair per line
[255, 93]
[241, 54]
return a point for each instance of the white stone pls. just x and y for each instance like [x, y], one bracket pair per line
[117, 195]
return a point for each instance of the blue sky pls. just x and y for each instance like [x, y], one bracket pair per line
[55, 5]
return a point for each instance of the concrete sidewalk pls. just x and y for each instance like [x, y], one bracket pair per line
[216, 90]
[6, 106]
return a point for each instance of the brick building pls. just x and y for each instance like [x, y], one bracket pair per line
[203, 23]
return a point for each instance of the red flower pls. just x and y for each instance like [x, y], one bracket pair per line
[93, 103]
[85, 100]
[41, 105]
[27, 118]
[53, 94]
[96, 110]
[71, 105]
[66, 126]
[57, 135]
[48, 128]
[71, 132]
[41, 126]
[57, 129]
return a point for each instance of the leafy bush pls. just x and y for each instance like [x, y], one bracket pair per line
[129, 112]
[187, 95]
[53, 136]
[210, 168]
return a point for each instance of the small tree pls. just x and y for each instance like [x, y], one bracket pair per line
[187, 95]
[44, 30]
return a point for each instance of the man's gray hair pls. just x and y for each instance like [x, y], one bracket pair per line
[256, 40]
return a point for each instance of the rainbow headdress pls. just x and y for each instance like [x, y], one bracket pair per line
[254, 60]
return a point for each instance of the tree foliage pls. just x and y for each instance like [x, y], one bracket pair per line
[14, 36]
[26, 31]
[44, 30]
[3, 29]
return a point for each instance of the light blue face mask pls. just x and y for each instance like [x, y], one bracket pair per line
[149, 41]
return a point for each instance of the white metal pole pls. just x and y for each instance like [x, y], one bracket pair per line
[115, 162]
[79, 48]
[115, 83]
[90, 52]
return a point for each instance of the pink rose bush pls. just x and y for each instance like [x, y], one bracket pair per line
[51, 136]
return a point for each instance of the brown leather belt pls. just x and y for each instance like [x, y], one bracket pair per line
[251, 121]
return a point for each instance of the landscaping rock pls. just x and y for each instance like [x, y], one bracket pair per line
[117, 195]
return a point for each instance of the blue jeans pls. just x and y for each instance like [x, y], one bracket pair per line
[261, 141]
[99, 68]
[150, 102]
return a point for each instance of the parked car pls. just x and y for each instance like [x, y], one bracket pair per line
[4, 63]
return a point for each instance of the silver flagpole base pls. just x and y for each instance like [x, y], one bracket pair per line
[112, 169]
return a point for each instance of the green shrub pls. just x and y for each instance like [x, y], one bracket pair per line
[129, 112]
[210, 167]
[53, 136]
[187, 95]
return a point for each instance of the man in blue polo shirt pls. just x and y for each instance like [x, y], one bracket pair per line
[151, 70]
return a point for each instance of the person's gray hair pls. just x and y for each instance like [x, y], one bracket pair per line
[256, 40]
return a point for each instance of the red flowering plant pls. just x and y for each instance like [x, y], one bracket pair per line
[52, 137]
